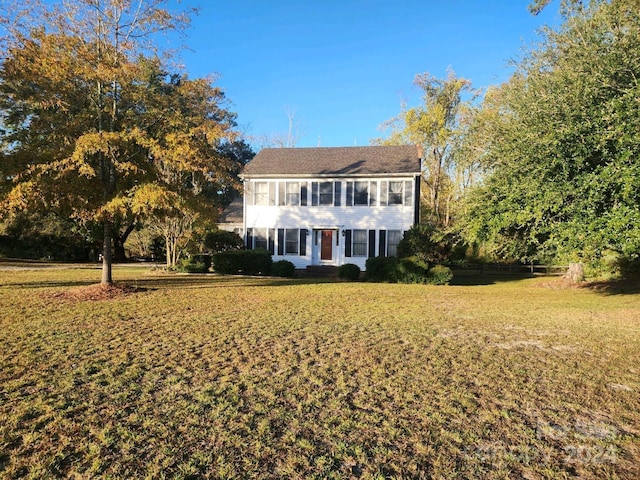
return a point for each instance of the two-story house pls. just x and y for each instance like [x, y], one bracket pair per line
[331, 206]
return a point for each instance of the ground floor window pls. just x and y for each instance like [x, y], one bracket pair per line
[261, 238]
[291, 241]
[359, 243]
[393, 239]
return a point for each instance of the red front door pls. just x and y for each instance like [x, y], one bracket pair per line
[326, 245]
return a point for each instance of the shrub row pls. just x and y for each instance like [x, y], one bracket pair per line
[251, 262]
[246, 262]
[406, 270]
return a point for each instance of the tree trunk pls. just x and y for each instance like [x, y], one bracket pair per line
[167, 242]
[575, 273]
[107, 277]
[119, 254]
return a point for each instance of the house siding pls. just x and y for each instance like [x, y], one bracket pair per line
[339, 218]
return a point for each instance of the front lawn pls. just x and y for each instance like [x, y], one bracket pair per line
[228, 377]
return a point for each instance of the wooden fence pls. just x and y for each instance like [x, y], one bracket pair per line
[511, 269]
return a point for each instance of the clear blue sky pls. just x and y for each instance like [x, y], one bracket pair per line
[344, 66]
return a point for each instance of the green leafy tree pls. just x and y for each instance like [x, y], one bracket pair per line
[90, 118]
[437, 126]
[564, 181]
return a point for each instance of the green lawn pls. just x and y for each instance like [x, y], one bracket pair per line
[224, 377]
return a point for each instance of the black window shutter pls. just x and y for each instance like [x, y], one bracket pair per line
[250, 238]
[303, 194]
[349, 202]
[281, 241]
[382, 246]
[303, 242]
[347, 243]
[337, 194]
[270, 239]
[372, 243]
[314, 193]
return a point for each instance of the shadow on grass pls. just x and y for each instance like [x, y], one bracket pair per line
[615, 287]
[179, 281]
[464, 279]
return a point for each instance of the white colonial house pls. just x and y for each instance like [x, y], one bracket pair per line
[330, 206]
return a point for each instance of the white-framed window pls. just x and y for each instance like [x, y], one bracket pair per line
[292, 193]
[261, 193]
[359, 243]
[361, 193]
[396, 193]
[292, 235]
[325, 193]
[393, 239]
[260, 238]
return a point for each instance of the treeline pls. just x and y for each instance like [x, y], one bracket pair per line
[544, 168]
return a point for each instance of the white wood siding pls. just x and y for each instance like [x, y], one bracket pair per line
[335, 218]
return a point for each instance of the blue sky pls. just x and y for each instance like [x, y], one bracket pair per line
[345, 66]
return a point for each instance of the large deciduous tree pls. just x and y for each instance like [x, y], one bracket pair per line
[564, 179]
[90, 118]
[437, 126]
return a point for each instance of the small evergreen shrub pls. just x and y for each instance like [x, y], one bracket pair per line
[349, 271]
[439, 275]
[382, 269]
[413, 270]
[246, 262]
[283, 268]
[195, 264]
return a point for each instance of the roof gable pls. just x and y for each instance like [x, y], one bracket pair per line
[343, 161]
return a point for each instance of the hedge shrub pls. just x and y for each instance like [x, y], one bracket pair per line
[382, 269]
[439, 275]
[246, 262]
[283, 268]
[196, 264]
[349, 271]
[413, 270]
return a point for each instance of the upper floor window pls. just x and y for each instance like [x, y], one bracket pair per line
[396, 196]
[362, 192]
[260, 193]
[325, 193]
[396, 192]
[290, 193]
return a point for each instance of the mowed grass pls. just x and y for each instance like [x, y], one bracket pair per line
[226, 377]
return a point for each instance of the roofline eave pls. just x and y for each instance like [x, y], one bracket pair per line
[273, 176]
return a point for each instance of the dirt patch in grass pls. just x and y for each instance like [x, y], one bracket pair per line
[96, 292]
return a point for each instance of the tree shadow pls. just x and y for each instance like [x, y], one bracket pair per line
[623, 286]
[467, 279]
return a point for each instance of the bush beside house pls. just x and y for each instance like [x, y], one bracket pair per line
[349, 272]
[246, 262]
[406, 270]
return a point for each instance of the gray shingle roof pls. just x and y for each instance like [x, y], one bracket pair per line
[334, 161]
[233, 213]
